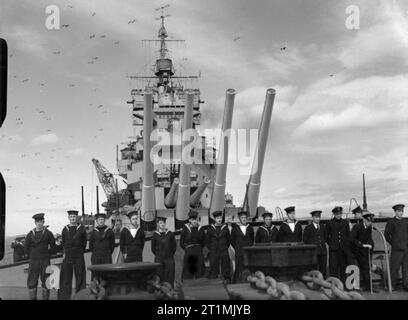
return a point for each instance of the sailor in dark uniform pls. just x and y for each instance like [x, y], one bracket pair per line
[132, 239]
[358, 213]
[315, 233]
[267, 233]
[74, 241]
[192, 240]
[361, 245]
[396, 233]
[218, 240]
[101, 241]
[337, 237]
[164, 247]
[242, 235]
[290, 230]
[39, 244]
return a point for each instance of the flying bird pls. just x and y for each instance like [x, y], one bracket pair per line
[282, 48]
[237, 38]
[103, 36]
[95, 58]
[72, 85]
[117, 42]
[65, 25]
[100, 106]
[131, 21]
[93, 14]
[91, 36]
[25, 80]
[56, 52]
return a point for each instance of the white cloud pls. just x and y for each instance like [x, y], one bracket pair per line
[356, 115]
[44, 139]
[366, 102]
[77, 152]
[386, 40]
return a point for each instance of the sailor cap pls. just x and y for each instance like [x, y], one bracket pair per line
[38, 216]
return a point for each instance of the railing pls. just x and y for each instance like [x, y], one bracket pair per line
[387, 261]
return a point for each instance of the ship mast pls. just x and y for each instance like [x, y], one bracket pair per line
[163, 33]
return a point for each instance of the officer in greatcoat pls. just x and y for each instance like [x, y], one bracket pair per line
[361, 246]
[290, 230]
[218, 240]
[242, 235]
[192, 241]
[396, 233]
[358, 216]
[163, 246]
[315, 233]
[132, 239]
[266, 233]
[74, 241]
[337, 237]
[39, 245]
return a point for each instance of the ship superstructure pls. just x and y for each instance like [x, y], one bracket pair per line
[169, 103]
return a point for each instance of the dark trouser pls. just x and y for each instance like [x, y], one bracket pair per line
[134, 258]
[239, 267]
[95, 259]
[70, 266]
[166, 269]
[364, 267]
[218, 261]
[337, 263]
[322, 264]
[399, 259]
[193, 262]
[36, 269]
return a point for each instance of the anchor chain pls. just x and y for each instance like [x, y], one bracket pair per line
[276, 290]
[332, 287]
[161, 290]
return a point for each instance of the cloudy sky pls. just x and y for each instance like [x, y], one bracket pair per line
[340, 110]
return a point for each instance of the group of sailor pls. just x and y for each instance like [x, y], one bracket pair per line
[345, 246]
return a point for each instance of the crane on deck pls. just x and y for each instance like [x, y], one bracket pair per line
[116, 198]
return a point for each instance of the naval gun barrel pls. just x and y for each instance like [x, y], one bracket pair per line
[218, 194]
[183, 197]
[148, 196]
[195, 197]
[171, 198]
[257, 165]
